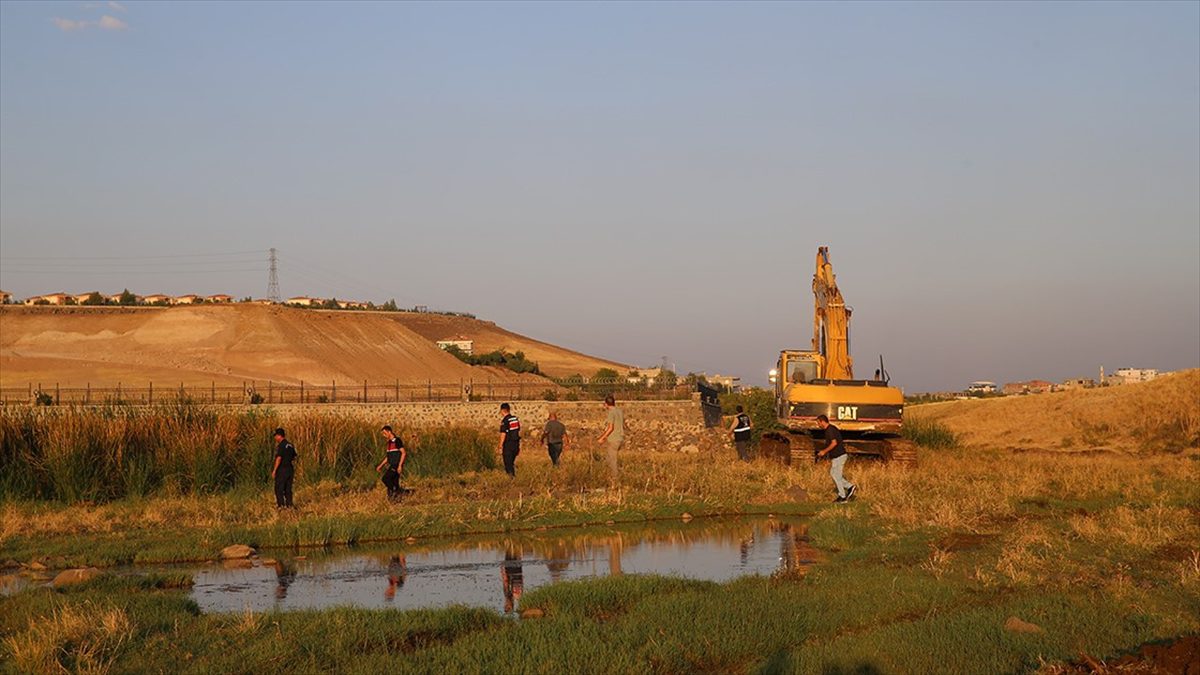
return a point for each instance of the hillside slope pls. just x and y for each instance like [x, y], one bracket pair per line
[233, 343]
[1163, 414]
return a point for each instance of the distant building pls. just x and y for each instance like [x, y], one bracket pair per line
[186, 299]
[982, 387]
[1129, 375]
[82, 297]
[643, 375]
[219, 298]
[464, 344]
[729, 382]
[304, 301]
[5, 297]
[50, 299]
[157, 299]
[1029, 387]
[1078, 383]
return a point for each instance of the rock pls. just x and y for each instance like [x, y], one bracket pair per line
[237, 563]
[690, 449]
[533, 613]
[685, 517]
[1016, 625]
[235, 551]
[301, 557]
[36, 566]
[268, 562]
[410, 540]
[10, 564]
[75, 576]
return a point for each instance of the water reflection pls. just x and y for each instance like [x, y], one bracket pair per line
[444, 572]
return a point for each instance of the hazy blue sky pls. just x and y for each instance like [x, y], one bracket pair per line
[1009, 190]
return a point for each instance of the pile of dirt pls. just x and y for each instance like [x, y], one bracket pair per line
[229, 344]
[1162, 415]
[1178, 657]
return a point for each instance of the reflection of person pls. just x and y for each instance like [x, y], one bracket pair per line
[510, 439]
[559, 560]
[394, 461]
[512, 578]
[740, 428]
[614, 434]
[284, 576]
[397, 572]
[284, 470]
[836, 451]
[555, 437]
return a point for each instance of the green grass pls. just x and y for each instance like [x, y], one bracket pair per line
[929, 433]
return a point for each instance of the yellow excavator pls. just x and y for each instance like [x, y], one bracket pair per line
[821, 381]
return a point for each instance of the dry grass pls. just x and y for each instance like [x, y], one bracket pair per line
[1162, 415]
[72, 639]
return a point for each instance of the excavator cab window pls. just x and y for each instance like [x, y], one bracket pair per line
[800, 372]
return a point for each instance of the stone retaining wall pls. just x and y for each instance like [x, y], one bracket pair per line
[649, 425]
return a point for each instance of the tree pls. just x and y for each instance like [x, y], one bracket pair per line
[127, 298]
[93, 299]
[390, 306]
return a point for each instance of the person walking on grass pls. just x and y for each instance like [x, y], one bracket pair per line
[836, 451]
[510, 439]
[284, 470]
[554, 435]
[393, 460]
[614, 434]
[740, 428]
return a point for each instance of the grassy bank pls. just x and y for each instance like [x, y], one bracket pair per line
[99, 454]
[1100, 551]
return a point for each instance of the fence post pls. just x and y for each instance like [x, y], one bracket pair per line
[212, 396]
[334, 399]
[150, 396]
[428, 390]
[57, 398]
[364, 391]
[270, 391]
[302, 391]
[87, 397]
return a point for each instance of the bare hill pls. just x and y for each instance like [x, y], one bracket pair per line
[232, 343]
[1163, 414]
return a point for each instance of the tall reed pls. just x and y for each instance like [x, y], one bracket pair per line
[104, 453]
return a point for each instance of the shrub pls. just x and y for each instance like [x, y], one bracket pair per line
[929, 434]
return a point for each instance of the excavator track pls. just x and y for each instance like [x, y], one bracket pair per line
[798, 449]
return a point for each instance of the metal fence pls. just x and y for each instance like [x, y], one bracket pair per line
[270, 392]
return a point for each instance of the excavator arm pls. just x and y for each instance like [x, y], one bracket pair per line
[831, 321]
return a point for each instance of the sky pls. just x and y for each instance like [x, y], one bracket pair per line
[1008, 190]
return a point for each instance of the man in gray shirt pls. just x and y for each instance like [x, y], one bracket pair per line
[554, 436]
[614, 434]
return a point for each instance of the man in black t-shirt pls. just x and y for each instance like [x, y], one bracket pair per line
[836, 451]
[510, 439]
[393, 460]
[740, 428]
[284, 470]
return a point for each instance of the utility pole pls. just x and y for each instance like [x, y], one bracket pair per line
[273, 281]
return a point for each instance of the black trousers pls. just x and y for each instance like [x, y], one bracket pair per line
[510, 452]
[555, 450]
[391, 478]
[283, 485]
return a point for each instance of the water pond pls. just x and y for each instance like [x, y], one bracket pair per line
[494, 571]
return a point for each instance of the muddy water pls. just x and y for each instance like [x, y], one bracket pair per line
[495, 571]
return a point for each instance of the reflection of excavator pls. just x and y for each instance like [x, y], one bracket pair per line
[821, 381]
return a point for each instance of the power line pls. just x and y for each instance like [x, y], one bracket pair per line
[273, 281]
[130, 257]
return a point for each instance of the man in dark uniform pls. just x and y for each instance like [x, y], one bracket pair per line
[740, 427]
[394, 461]
[510, 439]
[836, 451]
[284, 470]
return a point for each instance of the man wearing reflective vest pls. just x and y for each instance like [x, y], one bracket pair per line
[510, 439]
[741, 427]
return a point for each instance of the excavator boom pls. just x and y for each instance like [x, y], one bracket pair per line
[831, 321]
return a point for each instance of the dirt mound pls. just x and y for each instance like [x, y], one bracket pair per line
[230, 344]
[1178, 657]
[1161, 415]
[553, 360]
